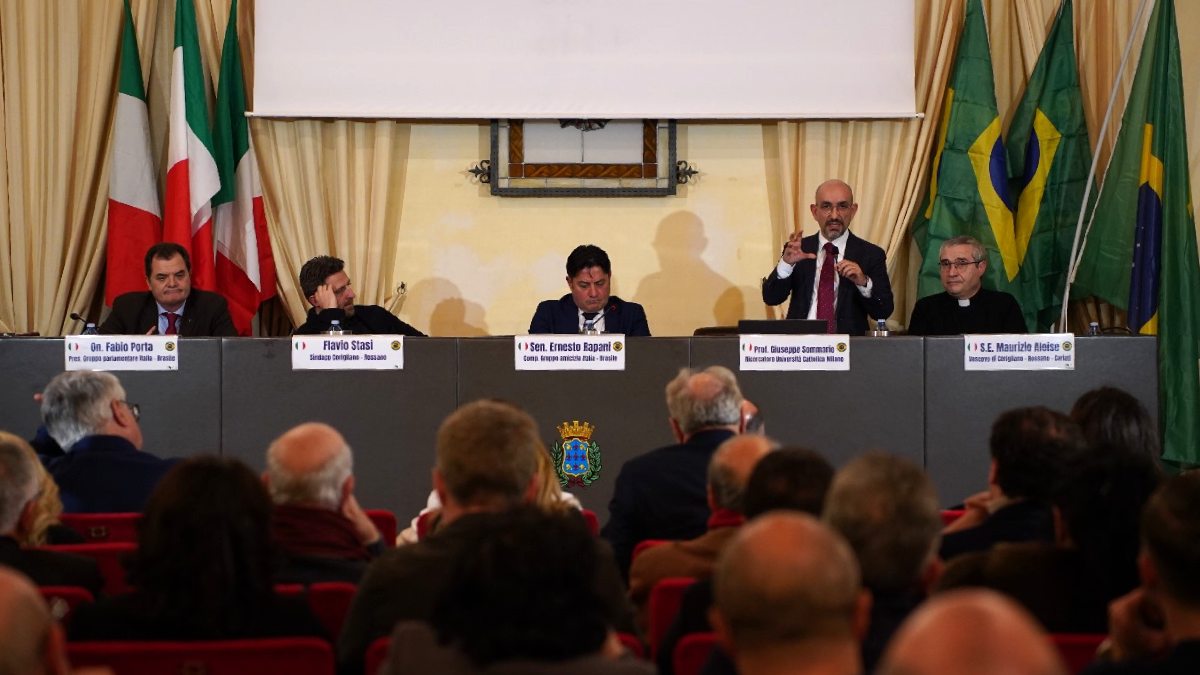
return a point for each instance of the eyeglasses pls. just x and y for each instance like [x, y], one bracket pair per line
[828, 207]
[959, 265]
[135, 409]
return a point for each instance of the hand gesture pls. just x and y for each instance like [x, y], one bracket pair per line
[850, 270]
[792, 253]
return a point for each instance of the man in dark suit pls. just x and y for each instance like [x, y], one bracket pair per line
[589, 307]
[103, 469]
[18, 501]
[171, 306]
[663, 493]
[852, 260]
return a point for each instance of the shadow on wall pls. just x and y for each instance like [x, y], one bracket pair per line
[686, 293]
[438, 309]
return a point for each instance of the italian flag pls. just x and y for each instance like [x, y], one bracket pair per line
[134, 214]
[245, 267]
[192, 178]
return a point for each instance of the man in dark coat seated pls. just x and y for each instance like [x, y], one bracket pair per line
[103, 468]
[316, 520]
[589, 307]
[171, 306]
[965, 306]
[326, 286]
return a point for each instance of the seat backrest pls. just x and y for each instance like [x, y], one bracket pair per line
[633, 643]
[110, 558]
[376, 653]
[593, 523]
[951, 515]
[330, 603]
[63, 600]
[103, 527]
[665, 598]
[645, 544]
[692, 651]
[1077, 649]
[385, 522]
[295, 656]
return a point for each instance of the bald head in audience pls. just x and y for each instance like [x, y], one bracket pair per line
[310, 464]
[31, 641]
[730, 468]
[971, 632]
[789, 599]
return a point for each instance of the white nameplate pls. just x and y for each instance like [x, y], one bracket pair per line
[121, 352]
[347, 352]
[569, 352]
[1042, 351]
[794, 352]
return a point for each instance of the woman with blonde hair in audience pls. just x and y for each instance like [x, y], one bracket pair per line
[41, 526]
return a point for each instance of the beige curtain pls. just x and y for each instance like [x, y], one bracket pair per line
[887, 162]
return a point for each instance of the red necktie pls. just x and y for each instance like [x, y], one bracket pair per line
[825, 289]
[171, 318]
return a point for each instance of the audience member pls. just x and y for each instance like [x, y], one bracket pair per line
[33, 641]
[1068, 582]
[487, 459]
[171, 306]
[326, 287]
[103, 469]
[1155, 629]
[728, 472]
[589, 307]
[18, 504]
[971, 632]
[43, 526]
[1030, 449]
[316, 521]
[790, 479]
[789, 600]
[497, 613]
[661, 494]
[886, 508]
[203, 566]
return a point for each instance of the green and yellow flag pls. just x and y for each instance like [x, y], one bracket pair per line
[1140, 253]
[1048, 159]
[968, 182]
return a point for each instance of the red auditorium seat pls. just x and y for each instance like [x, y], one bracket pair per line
[691, 652]
[665, 598]
[951, 515]
[385, 522]
[295, 656]
[64, 599]
[103, 527]
[328, 600]
[645, 544]
[376, 653]
[633, 644]
[1078, 649]
[108, 556]
[592, 521]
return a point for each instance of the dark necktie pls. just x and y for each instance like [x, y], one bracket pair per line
[825, 293]
[172, 317]
[588, 319]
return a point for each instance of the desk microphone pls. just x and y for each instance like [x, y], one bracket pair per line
[77, 317]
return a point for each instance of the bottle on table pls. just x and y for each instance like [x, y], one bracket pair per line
[335, 328]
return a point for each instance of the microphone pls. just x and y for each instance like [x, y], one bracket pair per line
[589, 326]
[77, 317]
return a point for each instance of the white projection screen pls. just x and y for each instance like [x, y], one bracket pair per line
[694, 59]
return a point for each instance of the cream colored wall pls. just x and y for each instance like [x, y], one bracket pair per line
[477, 264]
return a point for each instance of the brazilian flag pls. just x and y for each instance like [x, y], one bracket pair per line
[1048, 159]
[1140, 253]
[968, 181]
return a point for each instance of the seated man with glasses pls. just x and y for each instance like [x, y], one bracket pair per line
[965, 306]
[814, 270]
[103, 468]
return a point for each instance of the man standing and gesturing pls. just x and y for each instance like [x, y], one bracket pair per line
[832, 276]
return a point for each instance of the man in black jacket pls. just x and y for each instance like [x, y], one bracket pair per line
[326, 286]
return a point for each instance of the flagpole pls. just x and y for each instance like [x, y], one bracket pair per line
[1077, 246]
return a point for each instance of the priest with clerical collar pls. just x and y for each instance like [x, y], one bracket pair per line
[965, 306]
